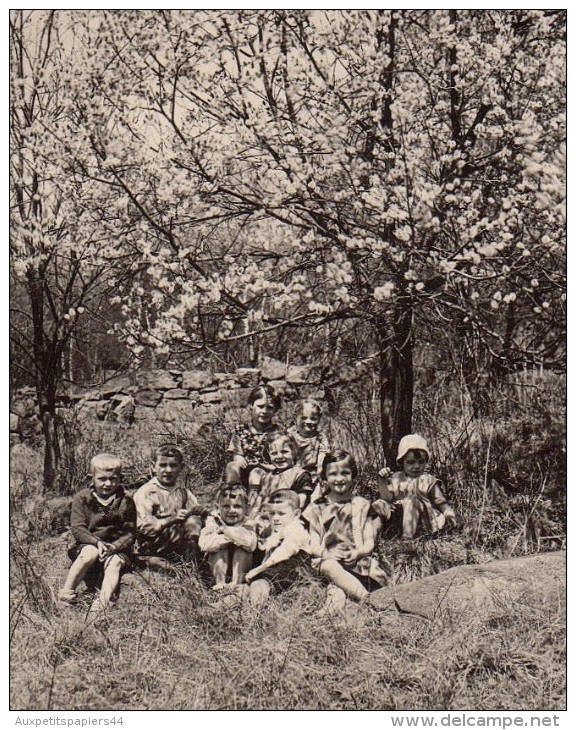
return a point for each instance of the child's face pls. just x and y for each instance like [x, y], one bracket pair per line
[281, 454]
[282, 514]
[167, 469]
[414, 463]
[233, 510]
[307, 422]
[106, 481]
[339, 478]
[262, 413]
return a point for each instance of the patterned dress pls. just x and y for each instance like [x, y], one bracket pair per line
[343, 526]
[422, 500]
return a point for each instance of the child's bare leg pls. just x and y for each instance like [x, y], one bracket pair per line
[87, 557]
[219, 566]
[335, 601]
[241, 564]
[112, 570]
[411, 513]
[259, 592]
[331, 569]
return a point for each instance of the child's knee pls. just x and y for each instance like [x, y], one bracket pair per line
[88, 555]
[114, 563]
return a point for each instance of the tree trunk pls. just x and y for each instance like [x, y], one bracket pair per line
[396, 379]
[51, 444]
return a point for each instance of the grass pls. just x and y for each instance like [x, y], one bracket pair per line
[164, 646]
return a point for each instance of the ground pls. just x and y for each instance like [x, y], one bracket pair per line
[169, 644]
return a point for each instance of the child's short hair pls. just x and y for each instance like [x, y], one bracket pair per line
[339, 455]
[105, 461]
[265, 391]
[275, 436]
[313, 403]
[169, 450]
[232, 491]
[284, 496]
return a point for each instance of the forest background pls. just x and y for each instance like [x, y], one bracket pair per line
[378, 192]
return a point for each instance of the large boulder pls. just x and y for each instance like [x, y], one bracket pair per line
[488, 589]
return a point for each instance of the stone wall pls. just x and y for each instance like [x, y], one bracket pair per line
[188, 396]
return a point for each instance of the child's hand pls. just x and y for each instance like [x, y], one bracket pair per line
[181, 515]
[250, 575]
[103, 550]
[240, 461]
[383, 508]
[351, 557]
[198, 510]
[385, 472]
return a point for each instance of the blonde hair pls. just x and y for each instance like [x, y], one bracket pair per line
[105, 461]
[313, 403]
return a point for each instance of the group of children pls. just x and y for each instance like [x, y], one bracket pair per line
[287, 507]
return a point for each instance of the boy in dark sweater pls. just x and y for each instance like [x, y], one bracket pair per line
[103, 523]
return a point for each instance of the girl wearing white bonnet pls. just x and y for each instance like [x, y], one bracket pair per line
[414, 491]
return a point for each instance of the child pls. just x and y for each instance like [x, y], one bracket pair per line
[169, 517]
[103, 522]
[246, 444]
[286, 549]
[417, 493]
[312, 443]
[281, 451]
[343, 534]
[227, 540]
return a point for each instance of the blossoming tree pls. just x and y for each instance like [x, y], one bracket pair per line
[401, 170]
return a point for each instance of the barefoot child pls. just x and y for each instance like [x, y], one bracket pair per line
[343, 534]
[413, 491]
[169, 517]
[103, 522]
[284, 472]
[227, 541]
[246, 446]
[286, 548]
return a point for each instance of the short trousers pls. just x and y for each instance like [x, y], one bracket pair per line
[285, 574]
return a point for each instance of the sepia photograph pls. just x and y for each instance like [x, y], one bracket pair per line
[288, 362]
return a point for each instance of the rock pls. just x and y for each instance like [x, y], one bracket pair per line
[197, 379]
[144, 413]
[75, 392]
[211, 397]
[14, 439]
[283, 389]
[157, 380]
[207, 413]
[23, 406]
[122, 408]
[273, 369]
[226, 380]
[119, 384]
[14, 420]
[489, 589]
[298, 374]
[248, 377]
[176, 393]
[148, 398]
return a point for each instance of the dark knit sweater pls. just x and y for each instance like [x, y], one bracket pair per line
[92, 522]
